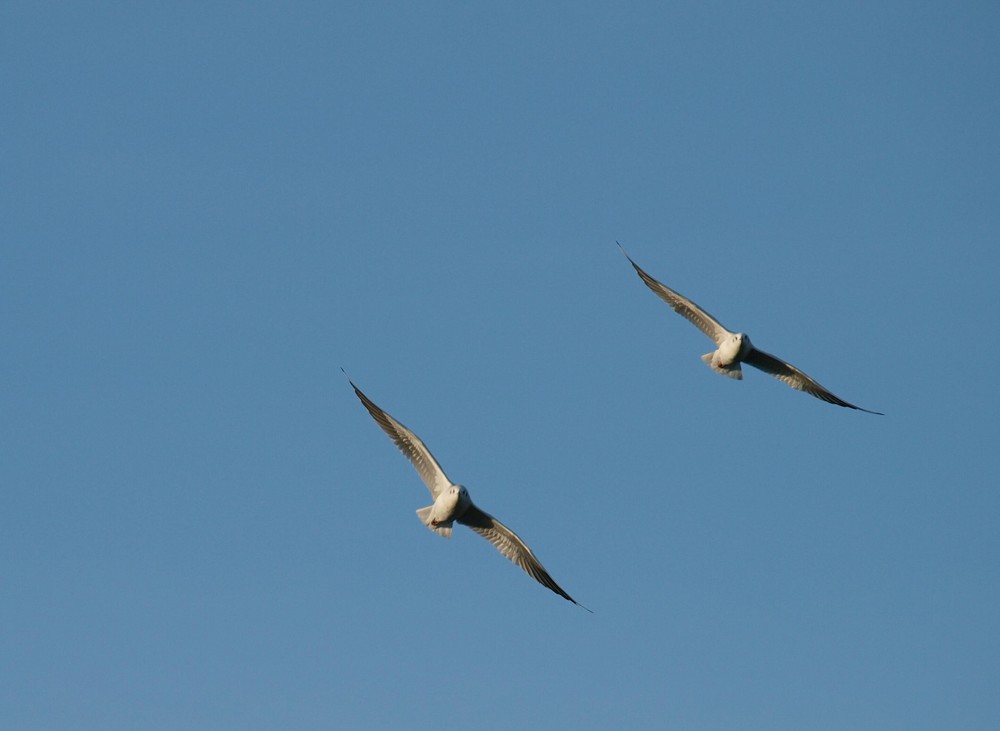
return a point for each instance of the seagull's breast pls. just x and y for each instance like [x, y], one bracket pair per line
[451, 503]
[733, 349]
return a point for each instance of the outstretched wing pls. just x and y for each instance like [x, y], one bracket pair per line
[510, 545]
[795, 378]
[682, 305]
[410, 445]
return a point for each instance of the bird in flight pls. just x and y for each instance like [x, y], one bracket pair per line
[452, 502]
[734, 348]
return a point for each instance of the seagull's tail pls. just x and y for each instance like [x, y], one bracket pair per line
[733, 370]
[442, 529]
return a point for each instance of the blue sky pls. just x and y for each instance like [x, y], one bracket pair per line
[208, 209]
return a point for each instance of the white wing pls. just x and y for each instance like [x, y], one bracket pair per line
[682, 305]
[410, 445]
[510, 545]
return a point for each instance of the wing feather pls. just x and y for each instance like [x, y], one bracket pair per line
[795, 378]
[510, 545]
[410, 445]
[682, 305]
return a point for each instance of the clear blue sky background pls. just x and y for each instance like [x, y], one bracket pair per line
[207, 209]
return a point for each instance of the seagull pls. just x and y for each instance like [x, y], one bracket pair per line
[452, 502]
[735, 348]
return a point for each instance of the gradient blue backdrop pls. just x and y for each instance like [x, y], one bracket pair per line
[209, 208]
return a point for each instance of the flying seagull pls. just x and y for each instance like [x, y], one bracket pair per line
[736, 348]
[452, 502]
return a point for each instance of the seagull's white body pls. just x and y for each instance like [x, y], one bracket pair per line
[448, 507]
[733, 348]
[453, 504]
[731, 351]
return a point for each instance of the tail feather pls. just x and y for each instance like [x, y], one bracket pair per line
[734, 370]
[442, 529]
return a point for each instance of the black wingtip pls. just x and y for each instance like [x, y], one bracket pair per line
[831, 399]
[625, 254]
[841, 402]
[869, 411]
[847, 405]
